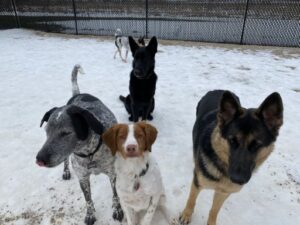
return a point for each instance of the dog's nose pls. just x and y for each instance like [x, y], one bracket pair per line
[131, 148]
[40, 162]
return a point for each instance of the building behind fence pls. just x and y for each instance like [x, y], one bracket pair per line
[261, 22]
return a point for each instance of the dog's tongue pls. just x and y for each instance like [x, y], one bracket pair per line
[40, 163]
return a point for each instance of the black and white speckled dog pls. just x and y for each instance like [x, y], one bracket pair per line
[74, 130]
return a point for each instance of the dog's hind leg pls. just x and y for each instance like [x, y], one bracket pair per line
[66, 173]
[185, 217]
[126, 55]
[86, 189]
[117, 209]
[219, 199]
[116, 53]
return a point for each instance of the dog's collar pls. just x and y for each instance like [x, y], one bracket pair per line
[146, 77]
[144, 171]
[136, 185]
[118, 36]
[92, 153]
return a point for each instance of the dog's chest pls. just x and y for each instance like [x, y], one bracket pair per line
[133, 192]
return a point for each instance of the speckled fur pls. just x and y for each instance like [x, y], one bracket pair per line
[58, 148]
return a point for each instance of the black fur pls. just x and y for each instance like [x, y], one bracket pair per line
[140, 102]
[82, 120]
[47, 115]
[237, 125]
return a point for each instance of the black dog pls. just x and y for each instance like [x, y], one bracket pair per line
[140, 101]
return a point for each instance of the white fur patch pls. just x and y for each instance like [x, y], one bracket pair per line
[130, 140]
[58, 115]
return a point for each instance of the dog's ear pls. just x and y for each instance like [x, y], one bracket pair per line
[271, 112]
[47, 116]
[229, 108]
[110, 136]
[133, 45]
[150, 133]
[82, 120]
[152, 46]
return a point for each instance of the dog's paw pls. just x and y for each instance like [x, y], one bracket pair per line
[66, 175]
[130, 118]
[185, 218]
[90, 219]
[118, 213]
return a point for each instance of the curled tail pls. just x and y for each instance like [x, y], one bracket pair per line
[75, 89]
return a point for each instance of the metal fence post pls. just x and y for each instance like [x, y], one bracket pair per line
[245, 18]
[75, 16]
[147, 10]
[16, 14]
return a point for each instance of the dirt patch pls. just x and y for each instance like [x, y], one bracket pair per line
[281, 52]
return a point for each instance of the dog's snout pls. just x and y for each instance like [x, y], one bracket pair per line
[40, 163]
[42, 159]
[240, 176]
[131, 148]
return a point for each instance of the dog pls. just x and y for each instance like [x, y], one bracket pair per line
[74, 130]
[140, 101]
[139, 184]
[121, 42]
[230, 142]
[141, 41]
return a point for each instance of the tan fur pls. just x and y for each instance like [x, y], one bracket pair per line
[220, 145]
[150, 133]
[115, 136]
[263, 155]
[224, 187]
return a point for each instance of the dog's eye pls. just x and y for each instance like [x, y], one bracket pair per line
[65, 133]
[122, 137]
[233, 141]
[139, 136]
[255, 146]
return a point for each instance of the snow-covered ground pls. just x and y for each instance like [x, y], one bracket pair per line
[35, 76]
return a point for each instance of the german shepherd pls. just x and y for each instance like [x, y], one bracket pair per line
[230, 142]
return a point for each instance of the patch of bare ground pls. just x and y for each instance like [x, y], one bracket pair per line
[280, 52]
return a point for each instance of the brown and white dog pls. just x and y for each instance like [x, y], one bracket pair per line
[138, 183]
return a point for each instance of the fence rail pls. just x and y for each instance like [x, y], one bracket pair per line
[260, 22]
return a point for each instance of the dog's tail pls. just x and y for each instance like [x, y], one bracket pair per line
[75, 89]
[122, 98]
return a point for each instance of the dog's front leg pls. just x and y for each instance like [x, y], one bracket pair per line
[86, 189]
[218, 201]
[134, 113]
[130, 214]
[67, 173]
[150, 211]
[147, 111]
[117, 209]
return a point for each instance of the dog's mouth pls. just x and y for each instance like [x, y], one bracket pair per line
[132, 154]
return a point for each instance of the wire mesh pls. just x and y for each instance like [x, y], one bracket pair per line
[7, 15]
[263, 22]
[273, 23]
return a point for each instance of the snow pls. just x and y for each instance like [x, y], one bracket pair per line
[35, 72]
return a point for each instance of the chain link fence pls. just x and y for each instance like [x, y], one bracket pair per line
[260, 22]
